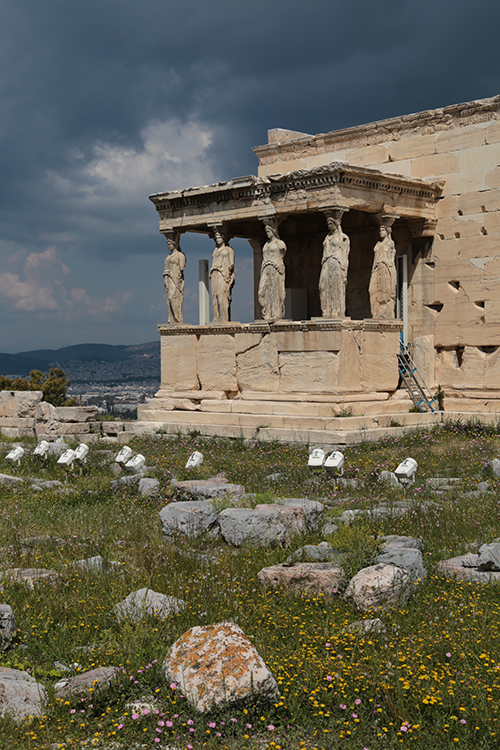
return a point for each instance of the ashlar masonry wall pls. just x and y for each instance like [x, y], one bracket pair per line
[453, 286]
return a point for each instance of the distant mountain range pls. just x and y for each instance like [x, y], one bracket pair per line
[43, 359]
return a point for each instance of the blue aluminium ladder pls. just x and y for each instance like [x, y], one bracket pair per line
[414, 382]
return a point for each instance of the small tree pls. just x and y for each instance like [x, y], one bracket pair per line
[55, 388]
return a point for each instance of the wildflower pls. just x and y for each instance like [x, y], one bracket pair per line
[448, 654]
[135, 716]
[270, 727]
[343, 706]
[173, 685]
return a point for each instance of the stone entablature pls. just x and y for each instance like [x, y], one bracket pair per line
[324, 356]
[286, 145]
[300, 191]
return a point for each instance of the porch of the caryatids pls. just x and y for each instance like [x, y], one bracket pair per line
[383, 281]
[334, 266]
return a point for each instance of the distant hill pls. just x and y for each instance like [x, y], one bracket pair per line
[42, 359]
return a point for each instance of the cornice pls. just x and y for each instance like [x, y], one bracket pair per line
[444, 118]
[262, 190]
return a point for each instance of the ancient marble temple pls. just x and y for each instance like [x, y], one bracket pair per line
[354, 234]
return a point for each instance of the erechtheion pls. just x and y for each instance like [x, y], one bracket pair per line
[360, 237]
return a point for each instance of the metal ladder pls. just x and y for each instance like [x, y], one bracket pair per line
[415, 384]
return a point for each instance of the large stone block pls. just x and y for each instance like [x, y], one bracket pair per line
[216, 362]
[493, 132]
[309, 341]
[492, 179]
[178, 362]
[75, 413]
[460, 138]
[257, 368]
[19, 403]
[349, 362]
[479, 203]
[424, 356]
[308, 371]
[482, 158]
[464, 182]
[434, 165]
[379, 372]
[411, 147]
[245, 341]
[379, 342]
[368, 155]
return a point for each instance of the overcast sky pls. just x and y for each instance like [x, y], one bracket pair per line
[104, 102]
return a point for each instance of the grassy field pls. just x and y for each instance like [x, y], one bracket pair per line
[431, 681]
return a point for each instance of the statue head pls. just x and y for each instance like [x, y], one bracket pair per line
[332, 223]
[217, 236]
[271, 227]
[384, 231]
[172, 237]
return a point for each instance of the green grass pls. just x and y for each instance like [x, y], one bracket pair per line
[432, 681]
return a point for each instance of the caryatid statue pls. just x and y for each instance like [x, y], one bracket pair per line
[173, 277]
[271, 292]
[383, 280]
[221, 278]
[334, 265]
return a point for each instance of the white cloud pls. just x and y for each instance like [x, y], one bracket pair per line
[173, 155]
[39, 288]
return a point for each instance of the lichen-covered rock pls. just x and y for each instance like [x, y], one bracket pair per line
[146, 603]
[20, 694]
[82, 683]
[322, 552]
[304, 577]
[380, 587]
[7, 626]
[217, 664]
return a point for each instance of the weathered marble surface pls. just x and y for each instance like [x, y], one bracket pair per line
[221, 279]
[173, 278]
[272, 275]
[382, 289]
[334, 267]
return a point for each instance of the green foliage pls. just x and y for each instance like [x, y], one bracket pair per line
[54, 387]
[359, 542]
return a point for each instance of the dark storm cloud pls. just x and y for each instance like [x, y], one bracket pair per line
[106, 101]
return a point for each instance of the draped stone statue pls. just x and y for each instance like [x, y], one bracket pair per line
[173, 277]
[334, 265]
[221, 279]
[271, 292]
[383, 281]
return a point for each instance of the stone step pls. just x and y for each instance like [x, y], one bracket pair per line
[296, 422]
